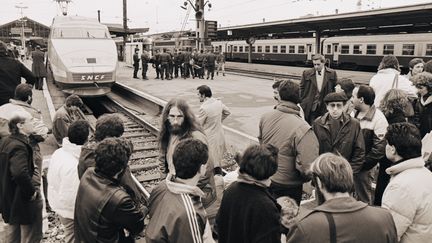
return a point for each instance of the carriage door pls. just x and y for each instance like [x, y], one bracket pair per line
[309, 52]
[336, 52]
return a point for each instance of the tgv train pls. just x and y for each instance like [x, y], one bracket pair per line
[353, 52]
[82, 57]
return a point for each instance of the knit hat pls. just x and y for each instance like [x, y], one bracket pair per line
[335, 97]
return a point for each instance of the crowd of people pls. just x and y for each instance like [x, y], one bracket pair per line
[341, 137]
[179, 64]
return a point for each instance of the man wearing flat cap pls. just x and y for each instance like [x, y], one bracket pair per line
[339, 133]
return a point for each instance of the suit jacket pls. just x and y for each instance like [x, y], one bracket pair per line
[309, 92]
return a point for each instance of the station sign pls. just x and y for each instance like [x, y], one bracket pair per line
[17, 31]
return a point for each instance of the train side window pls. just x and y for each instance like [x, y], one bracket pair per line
[301, 49]
[345, 49]
[408, 49]
[371, 49]
[220, 48]
[357, 49]
[388, 49]
[291, 49]
[240, 48]
[428, 49]
[283, 49]
[253, 48]
[229, 48]
[246, 48]
[328, 49]
[259, 48]
[267, 48]
[235, 49]
[275, 49]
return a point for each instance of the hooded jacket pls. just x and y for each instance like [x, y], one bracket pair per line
[408, 196]
[297, 144]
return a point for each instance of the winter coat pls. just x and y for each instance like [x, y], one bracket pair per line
[297, 143]
[38, 65]
[17, 180]
[312, 100]
[211, 114]
[177, 214]
[349, 142]
[383, 82]
[423, 113]
[248, 213]
[354, 221]
[11, 71]
[112, 210]
[63, 179]
[408, 196]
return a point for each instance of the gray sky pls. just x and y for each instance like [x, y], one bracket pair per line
[166, 15]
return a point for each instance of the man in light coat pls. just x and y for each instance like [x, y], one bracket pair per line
[408, 196]
[63, 176]
[212, 112]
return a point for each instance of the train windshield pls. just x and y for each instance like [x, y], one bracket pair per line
[79, 33]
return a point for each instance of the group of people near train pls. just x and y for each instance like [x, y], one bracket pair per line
[179, 63]
[324, 130]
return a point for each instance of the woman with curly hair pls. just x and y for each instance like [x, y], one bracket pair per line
[396, 106]
[423, 105]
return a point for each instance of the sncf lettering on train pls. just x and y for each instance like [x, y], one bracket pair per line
[92, 77]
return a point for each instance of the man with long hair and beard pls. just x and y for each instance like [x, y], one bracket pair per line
[179, 123]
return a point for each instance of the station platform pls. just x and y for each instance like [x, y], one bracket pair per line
[247, 97]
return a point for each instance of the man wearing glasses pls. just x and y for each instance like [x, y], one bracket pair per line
[339, 133]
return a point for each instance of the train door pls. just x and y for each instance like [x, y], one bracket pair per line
[309, 52]
[335, 53]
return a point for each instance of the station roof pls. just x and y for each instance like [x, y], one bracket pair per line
[117, 29]
[412, 18]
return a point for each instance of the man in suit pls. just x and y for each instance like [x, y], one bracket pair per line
[315, 84]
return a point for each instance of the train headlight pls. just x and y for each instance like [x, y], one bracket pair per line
[60, 73]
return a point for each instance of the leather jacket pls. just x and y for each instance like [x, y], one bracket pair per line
[103, 209]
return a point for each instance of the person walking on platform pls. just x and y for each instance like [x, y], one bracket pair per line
[315, 84]
[298, 146]
[220, 63]
[136, 60]
[64, 116]
[165, 59]
[11, 71]
[38, 67]
[373, 125]
[210, 63]
[339, 133]
[339, 217]
[20, 198]
[63, 176]
[408, 195]
[145, 58]
[176, 211]
[179, 123]
[112, 209]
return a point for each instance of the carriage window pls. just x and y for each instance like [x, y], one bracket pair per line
[283, 49]
[267, 48]
[240, 48]
[357, 49]
[220, 48]
[90, 33]
[235, 49]
[371, 49]
[328, 49]
[259, 48]
[229, 48]
[253, 48]
[408, 49]
[292, 49]
[388, 49]
[246, 48]
[275, 49]
[429, 50]
[301, 49]
[344, 49]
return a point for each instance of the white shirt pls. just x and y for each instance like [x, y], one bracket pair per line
[319, 79]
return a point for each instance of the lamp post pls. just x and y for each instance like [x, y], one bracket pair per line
[22, 25]
[199, 16]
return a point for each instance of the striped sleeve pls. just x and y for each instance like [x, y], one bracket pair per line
[194, 225]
